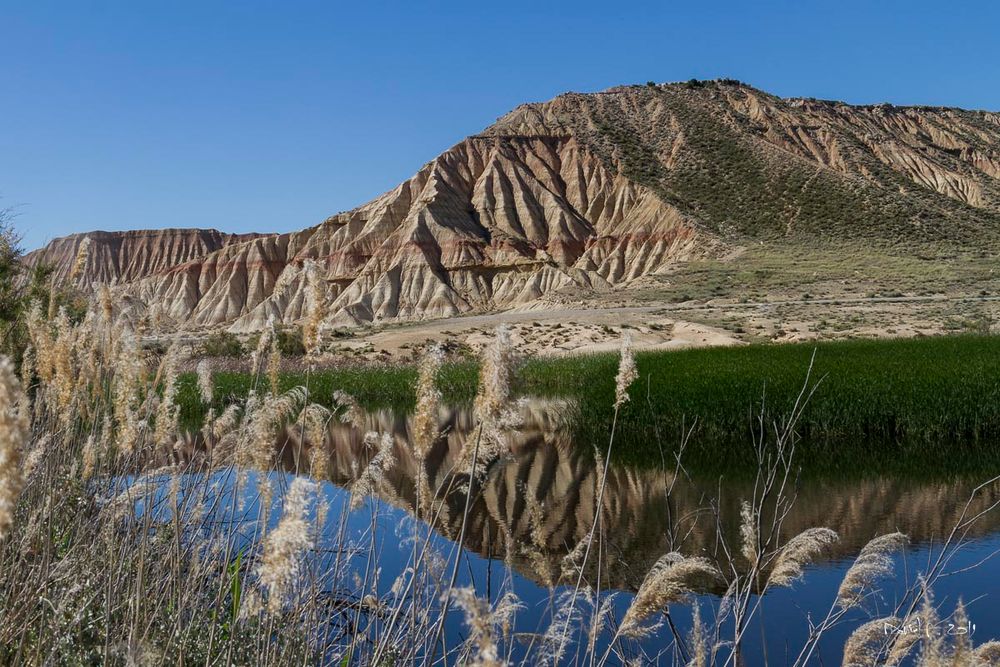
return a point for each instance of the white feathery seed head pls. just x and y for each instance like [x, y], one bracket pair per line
[797, 553]
[627, 373]
[14, 435]
[672, 579]
[873, 562]
[205, 383]
[425, 418]
[285, 547]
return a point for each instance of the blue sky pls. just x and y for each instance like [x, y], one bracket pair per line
[270, 116]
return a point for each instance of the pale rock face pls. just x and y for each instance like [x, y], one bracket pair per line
[122, 257]
[584, 192]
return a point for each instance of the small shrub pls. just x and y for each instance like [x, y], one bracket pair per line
[290, 342]
[222, 344]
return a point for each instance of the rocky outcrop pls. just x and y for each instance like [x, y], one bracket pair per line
[492, 223]
[122, 257]
[588, 192]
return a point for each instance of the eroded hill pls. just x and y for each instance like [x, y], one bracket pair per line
[600, 194]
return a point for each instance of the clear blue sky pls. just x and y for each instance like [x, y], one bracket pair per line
[270, 116]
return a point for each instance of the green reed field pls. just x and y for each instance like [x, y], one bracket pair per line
[921, 406]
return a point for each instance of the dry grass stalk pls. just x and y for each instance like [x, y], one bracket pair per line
[274, 366]
[267, 336]
[872, 563]
[671, 580]
[374, 472]
[483, 622]
[493, 409]
[627, 373]
[698, 639]
[315, 308]
[206, 386]
[128, 392]
[80, 263]
[425, 418]
[348, 409]
[316, 420]
[797, 553]
[286, 545]
[749, 534]
[167, 411]
[14, 434]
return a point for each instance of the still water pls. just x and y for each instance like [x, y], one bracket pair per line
[539, 501]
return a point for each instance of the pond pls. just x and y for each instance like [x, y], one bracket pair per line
[537, 504]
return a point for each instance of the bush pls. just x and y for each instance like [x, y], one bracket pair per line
[290, 342]
[222, 344]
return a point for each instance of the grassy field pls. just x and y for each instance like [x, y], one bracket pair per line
[921, 405]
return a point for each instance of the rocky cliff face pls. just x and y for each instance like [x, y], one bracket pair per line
[122, 257]
[590, 192]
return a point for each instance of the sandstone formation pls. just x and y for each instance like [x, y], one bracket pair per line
[122, 257]
[586, 192]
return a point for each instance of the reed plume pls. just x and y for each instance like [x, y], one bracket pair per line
[670, 580]
[14, 435]
[27, 367]
[374, 472]
[35, 455]
[867, 643]
[128, 390]
[316, 420]
[263, 345]
[167, 411]
[348, 409]
[89, 457]
[106, 303]
[425, 417]
[566, 616]
[315, 308]
[873, 562]
[493, 394]
[224, 424]
[63, 375]
[988, 653]
[493, 409]
[274, 365]
[80, 263]
[749, 534]
[797, 553]
[698, 639]
[257, 447]
[205, 384]
[627, 373]
[482, 622]
[286, 545]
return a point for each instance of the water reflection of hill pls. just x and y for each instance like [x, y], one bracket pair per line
[539, 502]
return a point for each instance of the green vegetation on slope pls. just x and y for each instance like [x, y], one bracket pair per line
[923, 406]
